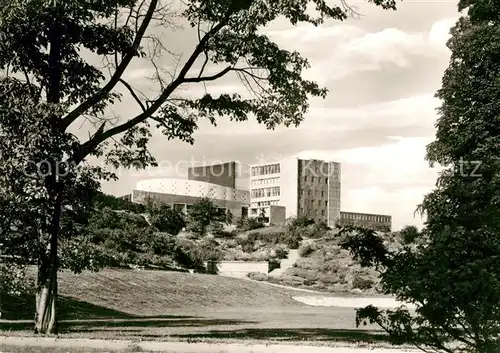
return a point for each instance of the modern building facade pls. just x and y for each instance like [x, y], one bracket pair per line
[309, 188]
[290, 187]
[375, 221]
[230, 174]
[217, 182]
[305, 188]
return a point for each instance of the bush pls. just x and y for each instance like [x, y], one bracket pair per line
[231, 234]
[250, 224]
[247, 243]
[257, 276]
[293, 239]
[203, 214]
[164, 218]
[362, 283]
[307, 249]
[301, 222]
[281, 252]
[216, 229]
[189, 254]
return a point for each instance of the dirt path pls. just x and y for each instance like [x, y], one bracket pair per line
[184, 347]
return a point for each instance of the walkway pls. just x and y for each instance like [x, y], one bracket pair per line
[184, 347]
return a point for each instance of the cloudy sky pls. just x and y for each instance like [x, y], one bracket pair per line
[382, 71]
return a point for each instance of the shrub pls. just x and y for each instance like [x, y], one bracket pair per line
[201, 215]
[301, 222]
[164, 218]
[281, 252]
[307, 249]
[216, 229]
[293, 239]
[247, 243]
[250, 223]
[257, 276]
[231, 234]
[188, 254]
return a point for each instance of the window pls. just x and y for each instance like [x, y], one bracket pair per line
[312, 179]
[322, 212]
[305, 178]
[322, 194]
[326, 203]
[326, 180]
[309, 192]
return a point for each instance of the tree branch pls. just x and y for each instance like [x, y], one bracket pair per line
[132, 92]
[82, 108]
[87, 147]
[207, 78]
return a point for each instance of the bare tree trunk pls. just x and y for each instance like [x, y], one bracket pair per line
[46, 296]
[46, 303]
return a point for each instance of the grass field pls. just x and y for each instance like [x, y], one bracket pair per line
[151, 305]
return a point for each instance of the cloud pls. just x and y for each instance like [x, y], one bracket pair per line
[416, 113]
[346, 48]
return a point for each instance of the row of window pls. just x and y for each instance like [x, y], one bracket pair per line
[265, 181]
[266, 192]
[312, 213]
[310, 193]
[365, 217]
[265, 203]
[316, 179]
[266, 169]
[312, 202]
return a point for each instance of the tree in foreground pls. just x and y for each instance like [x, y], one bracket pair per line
[451, 269]
[52, 79]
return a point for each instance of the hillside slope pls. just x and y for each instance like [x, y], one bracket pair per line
[324, 266]
[149, 293]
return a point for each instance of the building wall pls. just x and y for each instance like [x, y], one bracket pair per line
[319, 190]
[231, 174]
[180, 193]
[127, 197]
[181, 203]
[289, 184]
[277, 215]
[375, 221]
[334, 193]
[220, 174]
[274, 184]
[264, 187]
[309, 188]
[194, 188]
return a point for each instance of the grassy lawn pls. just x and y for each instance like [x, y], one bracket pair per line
[159, 306]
